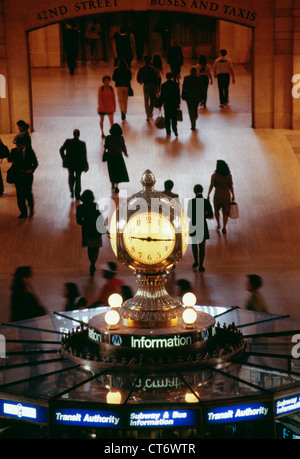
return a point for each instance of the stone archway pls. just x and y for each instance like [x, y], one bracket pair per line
[275, 43]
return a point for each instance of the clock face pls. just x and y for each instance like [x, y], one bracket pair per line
[149, 238]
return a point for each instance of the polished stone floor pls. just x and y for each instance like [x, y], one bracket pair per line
[264, 165]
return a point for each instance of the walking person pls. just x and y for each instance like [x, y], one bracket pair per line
[192, 93]
[222, 71]
[114, 148]
[147, 76]
[170, 99]
[122, 77]
[221, 181]
[205, 75]
[23, 129]
[74, 156]
[24, 163]
[256, 301]
[175, 60]
[93, 33]
[88, 217]
[158, 65]
[124, 46]
[71, 46]
[106, 103]
[24, 302]
[4, 152]
[196, 219]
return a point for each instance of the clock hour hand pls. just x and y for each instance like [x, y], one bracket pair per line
[150, 239]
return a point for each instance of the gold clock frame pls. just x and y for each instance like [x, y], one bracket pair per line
[152, 306]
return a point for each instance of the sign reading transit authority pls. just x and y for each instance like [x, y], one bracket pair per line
[287, 405]
[237, 413]
[164, 418]
[25, 411]
[91, 418]
[148, 342]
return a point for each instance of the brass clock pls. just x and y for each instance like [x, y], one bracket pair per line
[150, 235]
[149, 238]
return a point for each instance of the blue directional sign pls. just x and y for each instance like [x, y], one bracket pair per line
[91, 418]
[24, 411]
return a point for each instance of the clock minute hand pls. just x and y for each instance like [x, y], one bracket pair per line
[150, 239]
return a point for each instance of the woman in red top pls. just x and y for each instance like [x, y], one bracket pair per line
[106, 102]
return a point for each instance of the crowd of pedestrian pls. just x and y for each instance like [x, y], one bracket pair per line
[157, 93]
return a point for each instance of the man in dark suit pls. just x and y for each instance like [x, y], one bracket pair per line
[24, 164]
[74, 156]
[198, 212]
[192, 93]
[170, 99]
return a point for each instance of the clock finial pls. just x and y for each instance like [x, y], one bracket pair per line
[148, 180]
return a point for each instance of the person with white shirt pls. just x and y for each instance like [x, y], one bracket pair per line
[222, 71]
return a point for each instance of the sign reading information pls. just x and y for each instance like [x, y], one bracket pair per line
[167, 418]
[287, 405]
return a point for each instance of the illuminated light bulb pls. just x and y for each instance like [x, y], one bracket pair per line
[191, 398]
[115, 300]
[189, 299]
[114, 398]
[112, 318]
[189, 316]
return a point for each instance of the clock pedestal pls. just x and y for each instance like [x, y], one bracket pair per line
[152, 306]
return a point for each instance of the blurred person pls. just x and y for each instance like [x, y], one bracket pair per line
[168, 187]
[106, 103]
[170, 99]
[124, 46]
[147, 76]
[24, 163]
[71, 46]
[175, 59]
[92, 34]
[114, 148]
[196, 217]
[223, 69]
[4, 152]
[122, 77]
[72, 295]
[205, 75]
[87, 216]
[256, 301]
[112, 283]
[74, 157]
[23, 133]
[221, 181]
[183, 286]
[24, 302]
[192, 93]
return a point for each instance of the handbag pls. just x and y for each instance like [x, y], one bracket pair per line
[130, 91]
[160, 121]
[11, 175]
[179, 114]
[234, 210]
[104, 156]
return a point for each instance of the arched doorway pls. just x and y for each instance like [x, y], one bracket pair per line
[195, 33]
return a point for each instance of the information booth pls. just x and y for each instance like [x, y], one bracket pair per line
[45, 395]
